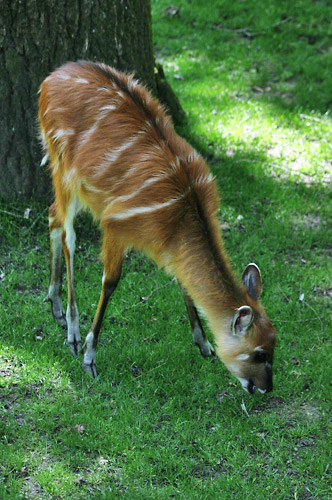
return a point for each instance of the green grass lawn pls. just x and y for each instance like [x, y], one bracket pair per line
[160, 421]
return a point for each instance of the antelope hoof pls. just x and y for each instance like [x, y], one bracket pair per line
[75, 347]
[57, 311]
[90, 368]
[60, 319]
[206, 349]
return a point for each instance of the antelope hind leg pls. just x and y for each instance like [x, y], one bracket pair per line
[54, 288]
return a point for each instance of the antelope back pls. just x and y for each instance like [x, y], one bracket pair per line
[113, 147]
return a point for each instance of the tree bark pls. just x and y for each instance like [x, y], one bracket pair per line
[36, 36]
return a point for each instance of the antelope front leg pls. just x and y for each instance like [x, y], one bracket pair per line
[113, 258]
[91, 341]
[198, 332]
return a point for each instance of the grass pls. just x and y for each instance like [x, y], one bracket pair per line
[160, 421]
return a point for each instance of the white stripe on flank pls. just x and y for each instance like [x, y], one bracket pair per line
[62, 134]
[104, 111]
[81, 80]
[43, 138]
[68, 176]
[131, 212]
[63, 76]
[93, 189]
[112, 156]
[55, 166]
[108, 107]
[125, 197]
[44, 160]
[85, 135]
[123, 179]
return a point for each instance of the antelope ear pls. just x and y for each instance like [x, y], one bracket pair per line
[242, 320]
[252, 280]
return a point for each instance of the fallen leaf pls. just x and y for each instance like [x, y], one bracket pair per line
[243, 406]
[27, 213]
[172, 11]
[77, 428]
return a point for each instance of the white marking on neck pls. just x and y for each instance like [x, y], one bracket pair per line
[203, 179]
[193, 156]
[202, 311]
[132, 84]
[259, 348]
[244, 383]
[242, 357]
[234, 368]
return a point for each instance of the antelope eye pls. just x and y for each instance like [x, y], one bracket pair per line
[259, 357]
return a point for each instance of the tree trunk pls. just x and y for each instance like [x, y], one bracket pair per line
[37, 36]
